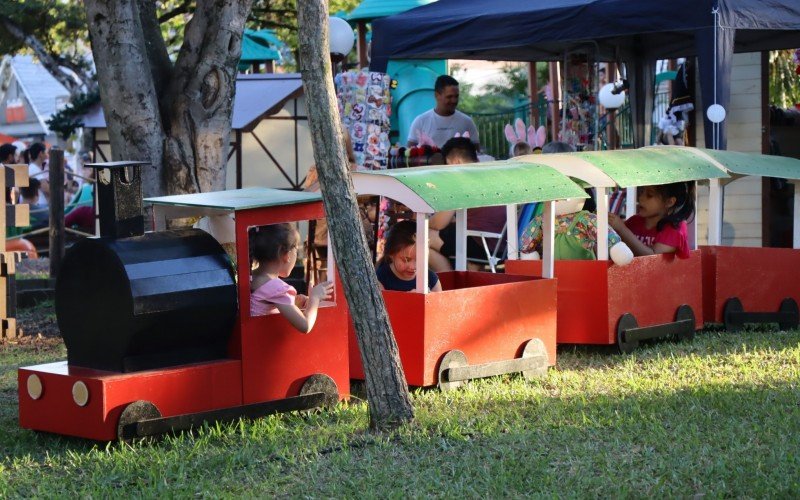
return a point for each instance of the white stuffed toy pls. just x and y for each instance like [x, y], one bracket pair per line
[575, 236]
[524, 141]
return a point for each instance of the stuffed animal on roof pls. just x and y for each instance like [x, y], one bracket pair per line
[575, 236]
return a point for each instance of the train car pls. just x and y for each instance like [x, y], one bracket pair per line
[750, 285]
[654, 296]
[481, 324]
[158, 328]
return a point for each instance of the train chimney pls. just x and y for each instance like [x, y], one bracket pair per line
[119, 198]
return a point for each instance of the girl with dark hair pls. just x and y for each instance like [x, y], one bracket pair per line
[397, 269]
[659, 225]
[273, 253]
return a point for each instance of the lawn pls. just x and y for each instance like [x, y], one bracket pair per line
[719, 416]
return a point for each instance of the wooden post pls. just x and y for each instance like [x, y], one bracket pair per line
[533, 90]
[56, 179]
[13, 216]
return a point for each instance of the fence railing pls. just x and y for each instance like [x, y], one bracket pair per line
[490, 126]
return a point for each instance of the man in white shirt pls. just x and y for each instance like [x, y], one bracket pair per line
[444, 121]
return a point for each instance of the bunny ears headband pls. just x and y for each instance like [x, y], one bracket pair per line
[517, 134]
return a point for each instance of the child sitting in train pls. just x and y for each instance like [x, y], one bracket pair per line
[397, 269]
[274, 253]
[659, 225]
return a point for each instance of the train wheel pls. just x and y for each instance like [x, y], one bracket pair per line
[319, 382]
[789, 305]
[732, 306]
[451, 359]
[535, 348]
[135, 412]
[626, 322]
[685, 312]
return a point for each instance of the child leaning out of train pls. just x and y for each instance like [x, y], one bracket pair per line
[274, 252]
[659, 225]
[397, 269]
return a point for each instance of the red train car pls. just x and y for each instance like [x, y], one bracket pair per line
[655, 296]
[481, 324]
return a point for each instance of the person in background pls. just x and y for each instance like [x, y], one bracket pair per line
[444, 121]
[8, 154]
[40, 213]
[397, 268]
[36, 157]
[274, 254]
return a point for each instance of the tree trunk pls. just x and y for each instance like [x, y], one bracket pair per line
[201, 95]
[126, 90]
[177, 118]
[387, 392]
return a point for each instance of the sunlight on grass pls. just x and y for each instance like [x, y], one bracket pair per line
[718, 416]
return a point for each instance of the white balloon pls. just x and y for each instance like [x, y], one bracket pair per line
[341, 37]
[716, 113]
[609, 100]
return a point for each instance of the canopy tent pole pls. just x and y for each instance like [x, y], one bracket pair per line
[554, 90]
[461, 240]
[564, 98]
[422, 252]
[630, 202]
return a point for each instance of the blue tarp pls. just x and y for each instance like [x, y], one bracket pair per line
[636, 32]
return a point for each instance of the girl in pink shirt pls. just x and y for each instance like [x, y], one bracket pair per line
[659, 225]
[274, 251]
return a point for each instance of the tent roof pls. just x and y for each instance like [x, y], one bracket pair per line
[368, 10]
[527, 31]
[258, 46]
[257, 96]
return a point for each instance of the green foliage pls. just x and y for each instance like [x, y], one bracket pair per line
[59, 24]
[784, 82]
[717, 417]
[68, 119]
[508, 92]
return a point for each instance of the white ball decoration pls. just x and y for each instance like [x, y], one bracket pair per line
[716, 113]
[341, 37]
[609, 100]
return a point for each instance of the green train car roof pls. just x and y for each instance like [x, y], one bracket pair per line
[633, 167]
[237, 199]
[452, 187]
[755, 163]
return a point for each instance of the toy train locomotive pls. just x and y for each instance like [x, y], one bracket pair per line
[154, 335]
[157, 337]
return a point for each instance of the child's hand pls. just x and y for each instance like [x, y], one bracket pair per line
[301, 300]
[322, 291]
[616, 222]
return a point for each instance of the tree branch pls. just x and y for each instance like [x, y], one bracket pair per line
[183, 8]
[160, 64]
[50, 62]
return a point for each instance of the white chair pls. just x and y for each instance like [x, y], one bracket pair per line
[494, 256]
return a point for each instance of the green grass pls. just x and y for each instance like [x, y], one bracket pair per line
[719, 416]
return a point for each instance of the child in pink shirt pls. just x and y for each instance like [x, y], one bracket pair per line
[274, 249]
[659, 225]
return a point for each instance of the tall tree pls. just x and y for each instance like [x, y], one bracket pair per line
[387, 393]
[176, 116]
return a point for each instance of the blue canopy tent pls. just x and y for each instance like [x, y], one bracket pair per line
[635, 32]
